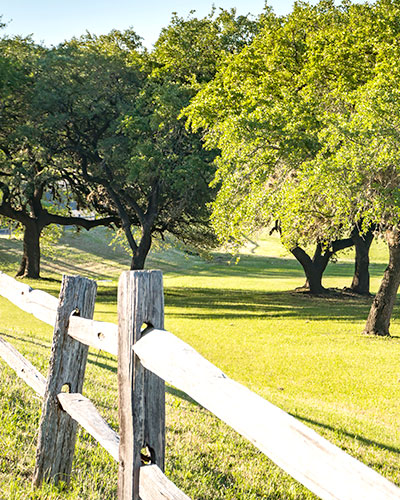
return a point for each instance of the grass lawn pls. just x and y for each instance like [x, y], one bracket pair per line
[304, 354]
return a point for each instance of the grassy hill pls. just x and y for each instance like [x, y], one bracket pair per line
[304, 354]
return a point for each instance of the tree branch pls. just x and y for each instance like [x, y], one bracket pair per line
[341, 244]
[78, 221]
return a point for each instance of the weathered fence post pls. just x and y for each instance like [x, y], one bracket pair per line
[141, 393]
[57, 432]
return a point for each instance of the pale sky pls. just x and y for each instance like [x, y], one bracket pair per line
[53, 21]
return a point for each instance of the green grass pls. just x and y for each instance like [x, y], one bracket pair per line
[304, 354]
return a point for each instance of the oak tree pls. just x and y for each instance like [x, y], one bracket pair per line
[113, 109]
[266, 111]
[35, 191]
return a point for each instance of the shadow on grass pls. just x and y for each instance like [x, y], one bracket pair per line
[10, 255]
[220, 303]
[365, 441]
[96, 358]
[99, 355]
[25, 340]
[67, 267]
[66, 260]
[100, 364]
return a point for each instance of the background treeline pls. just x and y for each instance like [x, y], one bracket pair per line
[298, 115]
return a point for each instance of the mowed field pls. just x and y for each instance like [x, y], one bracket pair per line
[306, 355]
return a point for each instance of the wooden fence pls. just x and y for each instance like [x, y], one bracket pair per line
[147, 356]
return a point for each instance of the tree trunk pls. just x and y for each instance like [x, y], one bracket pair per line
[141, 251]
[30, 262]
[378, 321]
[313, 268]
[360, 283]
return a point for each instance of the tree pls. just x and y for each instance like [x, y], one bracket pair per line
[266, 111]
[361, 155]
[364, 149]
[354, 177]
[30, 177]
[113, 108]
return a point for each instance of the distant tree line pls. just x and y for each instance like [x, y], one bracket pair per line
[289, 122]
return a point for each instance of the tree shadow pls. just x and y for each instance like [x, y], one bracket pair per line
[172, 261]
[67, 267]
[196, 303]
[338, 431]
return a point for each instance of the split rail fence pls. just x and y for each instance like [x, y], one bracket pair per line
[147, 356]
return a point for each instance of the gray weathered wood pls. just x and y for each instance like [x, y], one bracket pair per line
[141, 393]
[154, 485]
[57, 432]
[97, 334]
[83, 411]
[41, 304]
[23, 368]
[315, 462]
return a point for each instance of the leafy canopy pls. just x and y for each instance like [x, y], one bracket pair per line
[284, 113]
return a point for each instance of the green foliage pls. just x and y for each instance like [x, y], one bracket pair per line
[18, 154]
[353, 178]
[192, 49]
[362, 148]
[99, 125]
[84, 89]
[302, 118]
[250, 111]
[34, 179]
[117, 121]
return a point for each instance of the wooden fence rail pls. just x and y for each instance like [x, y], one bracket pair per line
[148, 355]
[67, 366]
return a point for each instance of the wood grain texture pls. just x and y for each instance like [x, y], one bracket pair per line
[83, 411]
[57, 432]
[141, 393]
[41, 304]
[97, 334]
[154, 485]
[322, 467]
[22, 367]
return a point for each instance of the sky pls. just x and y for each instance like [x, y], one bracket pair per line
[53, 21]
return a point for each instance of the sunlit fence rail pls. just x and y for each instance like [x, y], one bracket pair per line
[147, 356]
